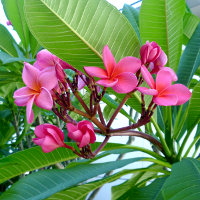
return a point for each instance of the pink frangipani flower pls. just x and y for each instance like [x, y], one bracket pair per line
[82, 133]
[164, 93]
[38, 86]
[49, 137]
[149, 52]
[120, 77]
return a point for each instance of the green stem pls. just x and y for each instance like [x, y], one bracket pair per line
[168, 127]
[180, 124]
[191, 145]
[162, 140]
[183, 144]
[194, 154]
[165, 164]
[151, 153]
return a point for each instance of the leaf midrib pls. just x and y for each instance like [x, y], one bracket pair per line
[84, 41]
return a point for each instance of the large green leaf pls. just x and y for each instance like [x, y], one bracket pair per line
[184, 182]
[35, 158]
[14, 12]
[150, 192]
[190, 23]
[80, 192]
[190, 59]
[132, 14]
[43, 184]
[137, 178]
[162, 21]
[194, 108]
[77, 30]
[7, 42]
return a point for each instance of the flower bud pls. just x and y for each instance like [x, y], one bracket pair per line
[82, 133]
[149, 52]
[49, 137]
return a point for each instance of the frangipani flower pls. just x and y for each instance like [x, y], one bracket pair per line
[82, 133]
[164, 93]
[119, 76]
[149, 52]
[49, 137]
[38, 86]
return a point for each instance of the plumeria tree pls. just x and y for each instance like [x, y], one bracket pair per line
[80, 63]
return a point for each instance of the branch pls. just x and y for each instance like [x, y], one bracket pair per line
[139, 134]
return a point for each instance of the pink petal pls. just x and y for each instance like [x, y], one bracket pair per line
[49, 144]
[85, 140]
[47, 78]
[127, 82]
[81, 83]
[163, 80]
[38, 141]
[127, 64]
[45, 59]
[166, 100]
[161, 60]
[85, 123]
[24, 92]
[144, 52]
[44, 99]
[182, 92]
[96, 72]
[56, 135]
[65, 65]
[29, 111]
[107, 82]
[60, 74]
[109, 60]
[147, 77]
[92, 137]
[173, 74]
[30, 76]
[40, 131]
[22, 101]
[76, 135]
[71, 127]
[147, 91]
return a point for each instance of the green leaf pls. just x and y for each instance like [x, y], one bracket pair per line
[35, 158]
[197, 135]
[162, 22]
[7, 42]
[190, 23]
[6, 58]
[76, 31]
[194, 108]
[184, 182]
[14, 10]
[190, 59]
[43, 184]
[137, 178]
[132, 14]
[150, 192]
[80, 192]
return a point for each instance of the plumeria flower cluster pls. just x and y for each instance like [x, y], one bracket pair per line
[50, 88]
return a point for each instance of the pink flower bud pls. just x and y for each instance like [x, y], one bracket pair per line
[60, 74]
[159, 63]
[49, 137]
[82, 133]
[149, 52]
